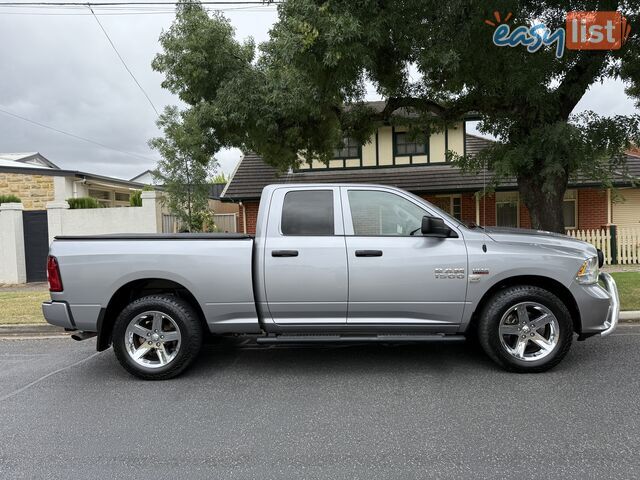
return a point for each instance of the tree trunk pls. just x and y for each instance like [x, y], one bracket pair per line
[545, 207]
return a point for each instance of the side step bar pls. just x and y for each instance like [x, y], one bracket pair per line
[297, 339]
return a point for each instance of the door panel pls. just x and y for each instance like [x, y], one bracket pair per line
[401, 283]
[305, 276]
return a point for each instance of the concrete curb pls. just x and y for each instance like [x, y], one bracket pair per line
[630, 316]
[31, 330]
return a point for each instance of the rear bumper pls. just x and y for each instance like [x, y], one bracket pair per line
[58, 313]
[610, 286]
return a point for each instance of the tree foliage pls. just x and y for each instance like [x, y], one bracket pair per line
[304, 89]
[184, 169]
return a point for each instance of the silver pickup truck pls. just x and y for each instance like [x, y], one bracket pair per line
[333, 263]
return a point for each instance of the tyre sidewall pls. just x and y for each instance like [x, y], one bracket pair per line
[498, 306]
[184, 317]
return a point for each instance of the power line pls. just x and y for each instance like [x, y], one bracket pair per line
[124, 63]
[99, 4]
[73, 135]
[126, 11]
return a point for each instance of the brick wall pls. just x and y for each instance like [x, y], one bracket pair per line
[34, 190]
[251, 208]
[592, 208]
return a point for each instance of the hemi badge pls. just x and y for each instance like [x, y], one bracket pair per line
[480, 271]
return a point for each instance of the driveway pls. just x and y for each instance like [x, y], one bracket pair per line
[423, 411]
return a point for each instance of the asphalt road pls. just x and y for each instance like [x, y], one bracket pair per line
[422, 411]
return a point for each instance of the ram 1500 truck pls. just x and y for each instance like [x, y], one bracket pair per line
[333, 263]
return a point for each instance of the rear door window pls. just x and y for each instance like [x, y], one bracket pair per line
[308, 212]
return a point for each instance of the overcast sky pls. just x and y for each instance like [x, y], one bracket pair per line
[59, 70]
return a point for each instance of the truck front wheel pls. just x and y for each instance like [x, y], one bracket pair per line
[157, 337]
[525, 329]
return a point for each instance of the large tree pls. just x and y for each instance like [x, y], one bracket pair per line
[304, 89]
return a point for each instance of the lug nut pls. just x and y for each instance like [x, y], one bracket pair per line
[150, 343]
[158, 344]
[161, 336]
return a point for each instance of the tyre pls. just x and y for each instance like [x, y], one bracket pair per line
[157, 337]
[525, 329]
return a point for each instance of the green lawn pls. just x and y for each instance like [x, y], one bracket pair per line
[22, 307]
[629, 289]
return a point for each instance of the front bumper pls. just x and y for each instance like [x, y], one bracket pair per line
[58, 313]
[610, 286]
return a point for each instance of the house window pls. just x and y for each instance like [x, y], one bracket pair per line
[102, 196]
[452, 204]
[507, 209]
[350, 149]
[405, 145]
[570, 209]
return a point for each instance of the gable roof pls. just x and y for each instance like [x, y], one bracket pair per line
[140, 175]
[252, 174]
[27, 159]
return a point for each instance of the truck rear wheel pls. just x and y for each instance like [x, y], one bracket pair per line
[525, 329]
[157, 337]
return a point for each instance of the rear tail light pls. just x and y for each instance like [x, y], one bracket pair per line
[53, 275]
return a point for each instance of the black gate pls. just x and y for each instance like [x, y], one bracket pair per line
[36, 244]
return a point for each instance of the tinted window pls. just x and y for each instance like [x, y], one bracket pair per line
[382, 213]
[308, 212]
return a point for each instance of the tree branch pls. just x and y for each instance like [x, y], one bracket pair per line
[578, 79]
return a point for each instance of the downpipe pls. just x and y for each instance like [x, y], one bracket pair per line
[79, 336]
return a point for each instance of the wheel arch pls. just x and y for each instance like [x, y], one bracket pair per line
[547, 283]
[133, 290]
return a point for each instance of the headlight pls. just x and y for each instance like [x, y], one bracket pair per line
[588, 272]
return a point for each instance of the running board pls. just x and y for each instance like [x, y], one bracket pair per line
[282, 339]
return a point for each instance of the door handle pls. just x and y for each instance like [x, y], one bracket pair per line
[284, 253]
[368, 253]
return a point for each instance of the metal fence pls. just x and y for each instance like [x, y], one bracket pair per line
[620, 245]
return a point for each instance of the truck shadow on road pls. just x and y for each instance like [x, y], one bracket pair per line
[430, 358]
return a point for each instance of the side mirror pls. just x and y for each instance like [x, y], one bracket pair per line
[435, 227]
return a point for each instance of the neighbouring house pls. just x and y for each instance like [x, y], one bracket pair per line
[390, 157]
[38, 181]
[27, 228]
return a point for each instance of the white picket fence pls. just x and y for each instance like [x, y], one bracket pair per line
[599, 238]
[627, 243]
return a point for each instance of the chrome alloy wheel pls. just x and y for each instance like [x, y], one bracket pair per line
[152, 339]
[529, 331]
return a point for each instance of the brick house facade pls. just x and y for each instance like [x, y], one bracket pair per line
[34, 190]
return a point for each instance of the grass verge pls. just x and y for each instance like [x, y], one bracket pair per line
[22, 307]
[629, 289]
